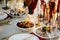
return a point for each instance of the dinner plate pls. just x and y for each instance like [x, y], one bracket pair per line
[23, 36]
[34, 30]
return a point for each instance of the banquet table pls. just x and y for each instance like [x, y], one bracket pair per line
[7, 30]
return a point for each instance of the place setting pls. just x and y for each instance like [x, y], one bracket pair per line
[30, 20]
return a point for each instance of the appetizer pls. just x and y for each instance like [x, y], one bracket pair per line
[42, 31]
[15, 12]
[25, 24]
[4, 18]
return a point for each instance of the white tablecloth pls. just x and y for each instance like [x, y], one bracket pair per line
[8, 30]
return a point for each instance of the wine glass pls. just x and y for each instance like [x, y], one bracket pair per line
[6, 7]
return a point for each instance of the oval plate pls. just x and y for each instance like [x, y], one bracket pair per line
[24, 36]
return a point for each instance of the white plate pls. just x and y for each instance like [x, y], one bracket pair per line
[3, 16]
[23, 36]
[34, 30]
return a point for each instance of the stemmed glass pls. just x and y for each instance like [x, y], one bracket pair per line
[6, 7]
[53, 26]
[58, 21]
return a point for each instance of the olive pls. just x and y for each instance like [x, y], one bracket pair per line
[44, 29]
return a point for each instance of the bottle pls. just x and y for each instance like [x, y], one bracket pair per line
[52, 10]
[31, 5]
[58, 7]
